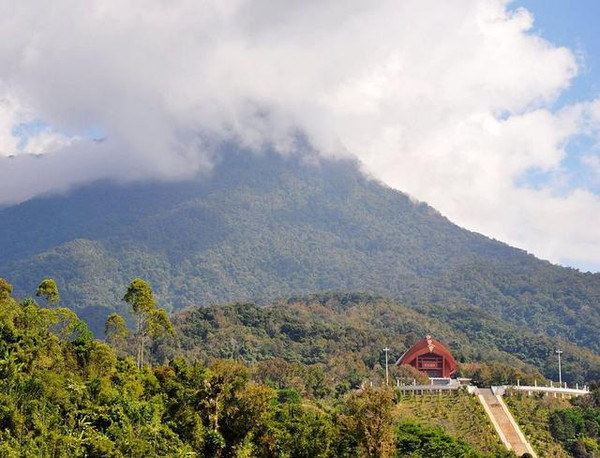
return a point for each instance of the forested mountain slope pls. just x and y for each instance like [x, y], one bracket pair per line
[264, 227]
[340, 330]
[65, 394]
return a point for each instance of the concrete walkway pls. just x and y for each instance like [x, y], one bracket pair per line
[503, 422]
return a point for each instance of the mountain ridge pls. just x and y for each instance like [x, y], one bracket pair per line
[265, 227]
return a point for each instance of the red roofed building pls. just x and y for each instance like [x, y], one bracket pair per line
[430, 356]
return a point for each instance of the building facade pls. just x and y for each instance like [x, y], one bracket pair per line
[431, 357]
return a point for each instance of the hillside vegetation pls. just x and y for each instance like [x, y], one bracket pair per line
[532, 413]
[336, 330]
[560, 427]
[459, 415]
[267, 227]
[64, 394]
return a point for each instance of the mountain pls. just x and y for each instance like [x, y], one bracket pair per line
[264, 227]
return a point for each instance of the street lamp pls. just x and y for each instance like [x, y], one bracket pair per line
[387, 374]
[559, 352]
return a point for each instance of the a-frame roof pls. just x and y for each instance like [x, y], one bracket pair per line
[424, 346]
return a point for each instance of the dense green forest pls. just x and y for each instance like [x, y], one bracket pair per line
[335, 330]
[295, 378]
[65, 394]
[259, 228]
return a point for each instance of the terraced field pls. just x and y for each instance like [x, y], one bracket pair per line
[460, 415]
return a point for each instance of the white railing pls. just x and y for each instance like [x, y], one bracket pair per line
[556, 389]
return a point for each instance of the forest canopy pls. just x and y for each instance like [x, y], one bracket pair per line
[64, 393]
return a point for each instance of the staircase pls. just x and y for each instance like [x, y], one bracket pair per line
[503, 422]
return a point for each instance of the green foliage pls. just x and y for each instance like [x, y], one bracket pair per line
[159, 324]
[460, 415]
[414, 440]
[115, 327]
[577, 428]
[496, 373]
[533, 414]
[341, 335]
[566, 424]
[140, 297]
[62, 393]
[49, 291]
[150, 322]
[367, 421]
[5, 290]
[267, 227]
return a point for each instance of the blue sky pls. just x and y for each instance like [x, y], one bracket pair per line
[573, 24]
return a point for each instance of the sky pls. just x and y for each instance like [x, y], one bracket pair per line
[489, 110]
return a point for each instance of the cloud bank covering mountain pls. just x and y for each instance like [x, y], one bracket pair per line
[457, 103]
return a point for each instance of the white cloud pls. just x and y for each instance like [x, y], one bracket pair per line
[448, 101]
[9, 143]
[40, 140]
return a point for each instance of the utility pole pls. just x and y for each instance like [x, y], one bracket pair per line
[559, 352]
[387, 373]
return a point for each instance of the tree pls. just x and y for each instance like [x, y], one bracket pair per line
[414, 439]
[49, 291]
[368, 420]
[115, 328]
[247, 413]
[5, 290]
[150, 322]
[566, 424]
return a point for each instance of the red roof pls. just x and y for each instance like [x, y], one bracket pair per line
[425, 346]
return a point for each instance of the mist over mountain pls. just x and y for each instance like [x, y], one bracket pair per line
[261, 227]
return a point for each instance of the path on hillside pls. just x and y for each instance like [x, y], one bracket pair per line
[504, 423]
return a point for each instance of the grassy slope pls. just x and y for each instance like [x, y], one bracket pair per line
[531, 413]
[459, 415]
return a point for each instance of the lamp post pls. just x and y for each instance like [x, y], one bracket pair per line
[387, 374]
[559, 352]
